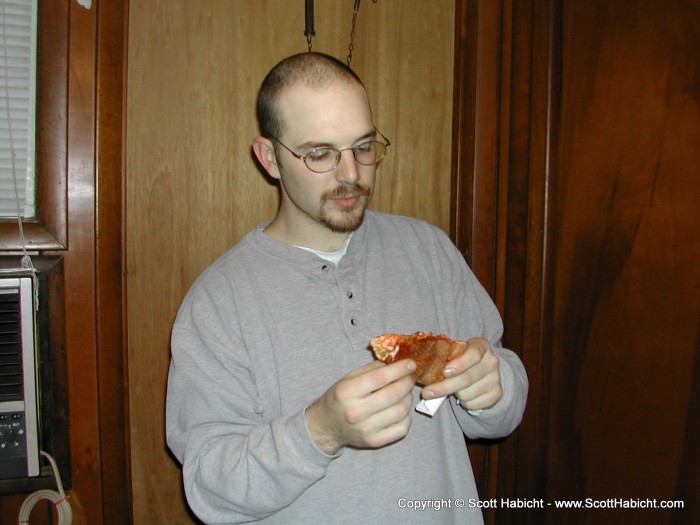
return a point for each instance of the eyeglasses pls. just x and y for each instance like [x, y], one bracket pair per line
[323, 160]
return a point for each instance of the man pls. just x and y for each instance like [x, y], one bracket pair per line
[276, 407]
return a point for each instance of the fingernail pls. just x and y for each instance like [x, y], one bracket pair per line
[428, 394]
[411, 366]
[449, 371]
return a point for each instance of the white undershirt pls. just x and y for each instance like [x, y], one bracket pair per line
[333, 257]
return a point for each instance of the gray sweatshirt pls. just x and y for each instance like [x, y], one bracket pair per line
[268, 328]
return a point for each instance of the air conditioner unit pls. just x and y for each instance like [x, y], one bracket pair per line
[19, 411]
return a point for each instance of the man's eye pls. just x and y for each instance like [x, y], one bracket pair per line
[320, 155]
[366, 148]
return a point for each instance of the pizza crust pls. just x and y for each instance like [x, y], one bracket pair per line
[431, 353]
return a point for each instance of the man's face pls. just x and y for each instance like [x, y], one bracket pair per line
[335, 116]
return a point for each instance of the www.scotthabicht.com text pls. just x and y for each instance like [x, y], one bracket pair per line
[588, 503]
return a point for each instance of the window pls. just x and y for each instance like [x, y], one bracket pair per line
[18, 22]
[46, 230]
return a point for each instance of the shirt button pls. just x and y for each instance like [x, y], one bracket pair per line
[325, 268]
[354, 322]
[349, 294]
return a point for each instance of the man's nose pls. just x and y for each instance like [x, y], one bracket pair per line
[347, 169]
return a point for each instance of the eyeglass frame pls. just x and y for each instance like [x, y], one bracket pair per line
[303, 158]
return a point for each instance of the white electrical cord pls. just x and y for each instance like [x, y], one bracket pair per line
[59, 499]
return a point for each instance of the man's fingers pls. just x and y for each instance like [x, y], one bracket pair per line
[375, 376]
[391, 424]
[369, 407]
[473, 374]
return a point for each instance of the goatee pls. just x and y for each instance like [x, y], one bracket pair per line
[344, 220]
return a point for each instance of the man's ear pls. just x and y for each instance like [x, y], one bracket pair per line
[265, 153]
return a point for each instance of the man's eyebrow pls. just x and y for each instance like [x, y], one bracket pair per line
[314, 145]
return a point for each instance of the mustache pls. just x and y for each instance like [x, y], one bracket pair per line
[342, 192]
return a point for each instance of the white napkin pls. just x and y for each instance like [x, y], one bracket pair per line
[429, 407]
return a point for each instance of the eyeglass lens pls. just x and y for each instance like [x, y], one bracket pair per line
[326, 159]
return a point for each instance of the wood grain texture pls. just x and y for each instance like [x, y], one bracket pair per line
[109, 296]
[193, 189]
[628, 307]
[597, 238]
[616, 310]
[81, 336]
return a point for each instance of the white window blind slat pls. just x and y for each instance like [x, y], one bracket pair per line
[18, 21]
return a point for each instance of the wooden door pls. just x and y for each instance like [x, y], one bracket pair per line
[595, 257]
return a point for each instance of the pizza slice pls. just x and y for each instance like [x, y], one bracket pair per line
[430, 352]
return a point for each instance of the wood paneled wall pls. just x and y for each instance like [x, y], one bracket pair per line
[193, 189]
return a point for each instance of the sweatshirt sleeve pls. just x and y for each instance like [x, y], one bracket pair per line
[237, 466]
[476, 315]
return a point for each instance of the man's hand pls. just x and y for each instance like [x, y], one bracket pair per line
[473, 377]
[368, 408]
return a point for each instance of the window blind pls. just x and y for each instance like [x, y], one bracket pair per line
[18, 21]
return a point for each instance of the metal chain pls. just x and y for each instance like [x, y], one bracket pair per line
[310, 33]
[352, 30]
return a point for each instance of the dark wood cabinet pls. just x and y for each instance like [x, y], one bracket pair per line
[593, 238]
